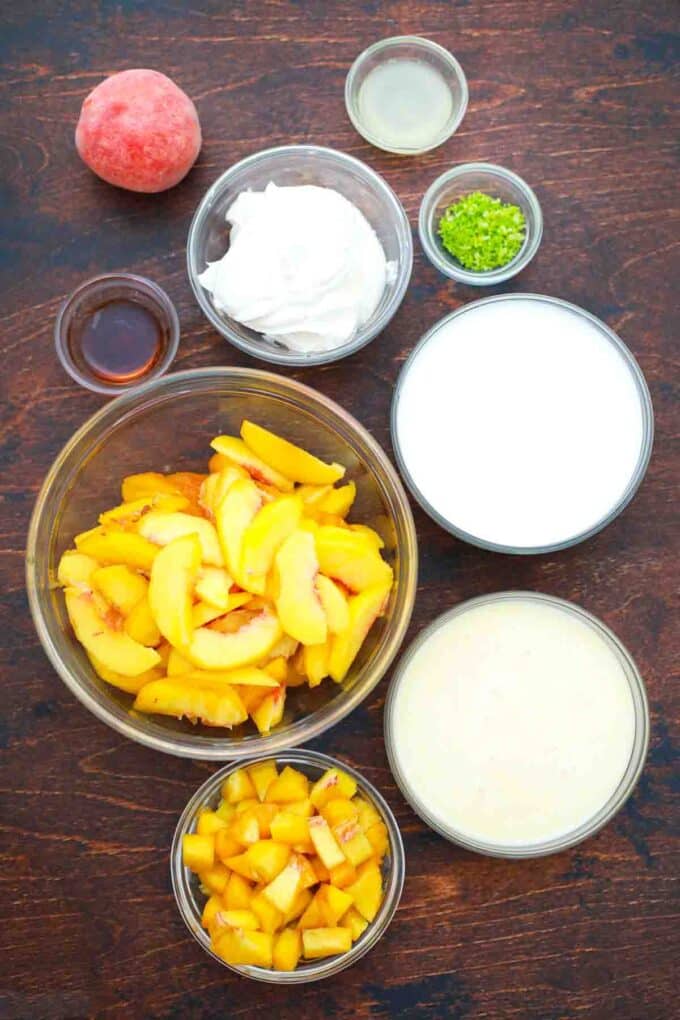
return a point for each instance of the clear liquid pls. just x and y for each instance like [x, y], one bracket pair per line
[405, 104]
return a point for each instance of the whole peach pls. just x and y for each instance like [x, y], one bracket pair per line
[139, 131]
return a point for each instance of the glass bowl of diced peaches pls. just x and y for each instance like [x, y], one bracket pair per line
[221, 563]
[287, 868]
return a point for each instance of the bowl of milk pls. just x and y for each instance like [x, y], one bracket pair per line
[522, 423]
[516, 724]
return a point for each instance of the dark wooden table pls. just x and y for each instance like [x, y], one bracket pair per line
[576, 97]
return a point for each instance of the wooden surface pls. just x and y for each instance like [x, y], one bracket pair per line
[576, 97]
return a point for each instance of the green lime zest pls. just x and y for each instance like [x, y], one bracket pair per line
[482, 232]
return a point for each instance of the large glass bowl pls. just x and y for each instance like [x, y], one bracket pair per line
[190, 900]
[294, 165]
[167, 425]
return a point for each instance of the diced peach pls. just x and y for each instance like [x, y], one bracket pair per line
[198, 852]
[302, 807]
[291, 829]
[333, 903]
[269, 712]
[364, 610]
[297, 603]
[245, 829]
[368, 815]
[162, 529]
[212, 708]
[269, 917]
[367, 891]
[346, 556]
[238, 786]
[225, 810]
[283, 889]
[212, 905]
[320, 870]
[353, 842]
[267, 858]
[141, 625]
[75, 570]
[239, 948]
[332, 784]
[120, 547]
[288, 787]
[240, 864]
[224, 919]
[287, 950]
[262, 775]
[264, 813]
[325, 842]
[238, 892]
[209, 823]
[320, 942]
[226, 845]
[343, 875]
[302, 901]
[215, 879]
[236, 451]
[355, 922]
[291, 461]
[173, 576]
[312, 916]
[338, 810]
[110, 646]
[378, 837]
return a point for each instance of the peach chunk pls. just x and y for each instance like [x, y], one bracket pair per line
[364, 609]
[171, 697]
[233, 514]
[320, 942]
[75, 570]
[211, 649]
[162, 528]
[298, 604]
[287, 950]
[291, 461]
[269, 712]
[237, 451]
[262, 538]
[138, 130]
[111, 646]
[349, 557]
[173, 576]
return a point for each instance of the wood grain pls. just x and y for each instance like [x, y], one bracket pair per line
[577, 97]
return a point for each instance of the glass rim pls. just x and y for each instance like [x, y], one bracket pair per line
[315, 970]
[631, 773]
[116, 413]
[447, 266]
[393, 42]
[135, 283]
[636, 478]
[364, 335]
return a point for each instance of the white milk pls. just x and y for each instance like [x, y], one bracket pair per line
[513, 723]
[520, 423]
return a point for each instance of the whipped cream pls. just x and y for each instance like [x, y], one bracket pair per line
[304, 267]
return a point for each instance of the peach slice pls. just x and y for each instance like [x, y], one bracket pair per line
[162, 528]
[127, 514]
[311, 495]
[364, 609]
[148, 483]
[216, 486]
[212, 708]
[262, 538]
[119, 547]
[269, 712]
[291, 461]
[369, 534]
[112, 647]
[334, 604]
[349, 557]
[298, 604]
[213, 586]
[215, 679]
[338, 501]
[121, 587]
[140, 624]
[236, 450]
[75, 570]
[203, 613]
[173, 577]
[233, 514]
[129, 684]
[211, 649]
[315, 659]
[177, 664]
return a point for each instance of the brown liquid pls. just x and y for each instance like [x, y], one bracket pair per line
[118, 340]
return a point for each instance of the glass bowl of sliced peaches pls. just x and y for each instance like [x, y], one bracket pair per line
[221, 563]
[287, 868]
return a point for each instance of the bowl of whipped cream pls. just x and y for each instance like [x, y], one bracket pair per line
[300, 254]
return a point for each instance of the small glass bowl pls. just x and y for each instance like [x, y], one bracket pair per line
[492, 180]
[188, 895]
[168, 425]
[294, 165]
[407, 47]
[92, 294]
[628, 780]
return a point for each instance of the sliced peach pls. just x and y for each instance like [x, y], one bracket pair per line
[177, 664]
[211, 649]
[120, 547]
[371, 536]
[297, 603]
[237, 451]
[350, 558]
[216, 486]
[334, 604]
[149, 483]
[311, 495]
[233, 514]
[315, 659]
[364, 609]
[216, 679]
[128, 514]
[75, 570]
[171, 697]
[269, 712]
[338, 501]
[129, 684]
[113, 648]
[291, 461]
[173, 577]
[203, 613]
[162, 528]
[121, 587]
[263, 537]
[140, 624]
[188, 483]
[213, 585]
